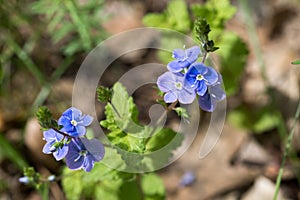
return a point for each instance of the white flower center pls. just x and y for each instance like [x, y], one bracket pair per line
[199, 77]
[178, 85]
[73, 122]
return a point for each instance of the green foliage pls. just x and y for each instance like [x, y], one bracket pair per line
[44, 116]
[107, 183]
[104, 94]
[121, 113]
[233, 56]
[126, 133]
[182, 112]
[9, 151]
[216, 12]
[72, 23]
[210, 16]
[296, 62]
[153, 187]
[257, 120]
[176, 17]
[202, 30]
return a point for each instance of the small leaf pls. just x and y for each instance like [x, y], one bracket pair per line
[153, 186]
[182, 112]
[296, 62]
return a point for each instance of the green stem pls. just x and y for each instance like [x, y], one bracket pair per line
[286, 151]
[81, 27]
[23, 56]
[204, 57]
[169, 108]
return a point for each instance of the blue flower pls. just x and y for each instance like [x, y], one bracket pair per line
[24, 180]
[83, 153]
[174, 88]
[200, 76]
[214, 94]
[74, 122]
[56, 144]
[187, 179]
[184, 58]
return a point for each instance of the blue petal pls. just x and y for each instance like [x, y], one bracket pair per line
[186, 96]
[177, 65]
[201, 88]
[170, 97]
[73, 159]
[198, 68]
[86, 120]
[190, 81]
[61, 152]
[47, 147]
[76, 114]
[179, 54]
[217, 92]
[65, 121]
[193, 53]
[80, 131]
[166, 82]
[88, 163]
[68, 113]
[95, 148]
[50, 135]
[24, 180]
[206, 103]
[211, 76]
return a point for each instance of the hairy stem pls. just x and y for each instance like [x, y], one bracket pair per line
[286, 151]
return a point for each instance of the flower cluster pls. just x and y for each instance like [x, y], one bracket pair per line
[69, 142]
[187, 79]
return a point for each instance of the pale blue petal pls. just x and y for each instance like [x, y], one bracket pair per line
[76, 115]
[47, 147]
[95, 148]
[61, 153]
[170, 97]
[80, 131]
[166, 82]
[177, 65]
[178, 54]
[211, 76]
[186, 96]
[86, 120]
[50, 135]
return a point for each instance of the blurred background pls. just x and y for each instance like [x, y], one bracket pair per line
[43, 44]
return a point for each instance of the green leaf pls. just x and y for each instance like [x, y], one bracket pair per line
[121, 113]
[216, 12]
[165, 138]
[232, 68]
[101, 183]
[175, 17]
[62, 32]
[155, 20]
[128, 142]
[257, 120]
[72, 47]
[182, 112]
[130, 190]
[72, 184]
[153, 187]
[178, 16]
[296, 62]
